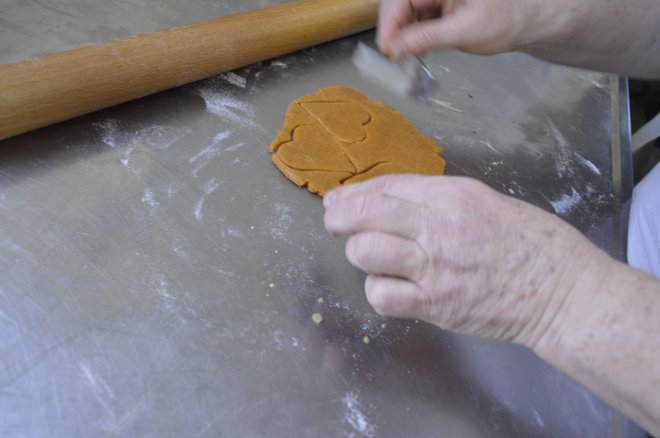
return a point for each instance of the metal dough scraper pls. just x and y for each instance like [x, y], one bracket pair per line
[411, 77]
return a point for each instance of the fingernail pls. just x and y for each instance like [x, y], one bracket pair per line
[329, 198]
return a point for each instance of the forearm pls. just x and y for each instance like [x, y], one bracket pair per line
[621, 37]
[612, 347]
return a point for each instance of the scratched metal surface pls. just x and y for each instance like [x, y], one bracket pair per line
[159, 274]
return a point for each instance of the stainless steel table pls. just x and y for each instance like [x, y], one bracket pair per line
[159, 273]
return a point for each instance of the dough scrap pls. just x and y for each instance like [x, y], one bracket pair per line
[337, 136]
[317, 318]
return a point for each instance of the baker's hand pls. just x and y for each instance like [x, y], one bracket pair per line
[477, 26]
[455, 253]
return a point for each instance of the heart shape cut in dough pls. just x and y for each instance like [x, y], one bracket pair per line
[337, 136]
[344, 120]
[311, 148]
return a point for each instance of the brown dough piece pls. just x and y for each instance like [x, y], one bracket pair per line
[337, 136]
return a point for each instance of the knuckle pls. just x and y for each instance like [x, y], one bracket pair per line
[421, 265]
[425, 38]
[361, 207]
[419, 219]
[376, 295]
[366, 249]
[360, 249]
[424, 307]
[329, 220]
[450, 306]
[393, 181]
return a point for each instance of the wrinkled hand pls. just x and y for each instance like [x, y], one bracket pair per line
[455, 253]
[476, 26]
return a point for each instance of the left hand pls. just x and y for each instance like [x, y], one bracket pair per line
[453, 252]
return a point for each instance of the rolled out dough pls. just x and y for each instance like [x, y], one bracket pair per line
[337, 136]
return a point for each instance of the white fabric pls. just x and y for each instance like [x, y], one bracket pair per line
[646, 133]
[644, 225]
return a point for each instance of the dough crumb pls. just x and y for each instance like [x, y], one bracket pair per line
[317, 318]
[320, 300]
[271, 285]
[511, 191]
[366, 339]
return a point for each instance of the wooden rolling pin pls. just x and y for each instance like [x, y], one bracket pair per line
[52, 88]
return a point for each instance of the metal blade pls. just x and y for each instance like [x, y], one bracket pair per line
[411, 77]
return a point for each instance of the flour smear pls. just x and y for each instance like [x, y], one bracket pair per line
[228, 107]
[588, 164]
[208, 153]
[235, 79]
[566, 202]
[355, 417]
[149, 198]
[210, 187]
[115, 133]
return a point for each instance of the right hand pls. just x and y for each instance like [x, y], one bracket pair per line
[482, 27]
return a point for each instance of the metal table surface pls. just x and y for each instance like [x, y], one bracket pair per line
[159, 274]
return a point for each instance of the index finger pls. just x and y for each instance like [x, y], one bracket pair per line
[405, 186]
[394, 15]
[373, 211]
